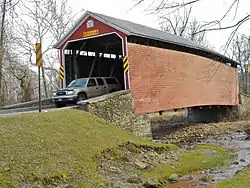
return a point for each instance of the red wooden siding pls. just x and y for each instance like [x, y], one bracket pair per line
[164, 79]
[103, 29]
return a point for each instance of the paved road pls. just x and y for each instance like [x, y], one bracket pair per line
[50, 107]
[34, 109]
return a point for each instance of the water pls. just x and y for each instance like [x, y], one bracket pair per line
[237, 142]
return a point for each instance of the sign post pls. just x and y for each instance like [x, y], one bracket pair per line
[39, 62]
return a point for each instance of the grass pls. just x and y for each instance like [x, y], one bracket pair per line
[64, 147]
[240, 180]
[39, 146]
[57, 146]
[204, 157]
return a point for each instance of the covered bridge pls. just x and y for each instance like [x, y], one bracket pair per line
[163, 72]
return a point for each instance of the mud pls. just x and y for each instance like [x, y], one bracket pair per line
[194, 179]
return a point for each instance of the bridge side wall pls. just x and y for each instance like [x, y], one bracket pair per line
[163, 79]
[118, 109]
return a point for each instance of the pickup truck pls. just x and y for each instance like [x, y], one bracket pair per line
[85, 88]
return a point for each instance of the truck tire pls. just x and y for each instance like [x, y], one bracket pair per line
[113, 90]
[81, 97]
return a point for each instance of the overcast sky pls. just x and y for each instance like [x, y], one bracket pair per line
[206, 10]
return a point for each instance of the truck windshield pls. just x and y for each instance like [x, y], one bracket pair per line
[78, 83]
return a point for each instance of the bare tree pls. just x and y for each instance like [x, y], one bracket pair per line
[240, 50]
[22, 26]
[45, 22]
[181, 23]
[7, 10]
[171, 6]
[2, 50]
[25, 78]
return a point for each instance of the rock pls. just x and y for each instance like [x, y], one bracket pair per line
[187, 178]
[243, 160]
[164, 162]
[173, 177]
[176, 158]
[247, 138]
[194, 184]
[151, 154]
[152, 183]
[6, 169]
[141, 165]
[134, 179]
[235, 163]
[237, 172]
[114, 185]
[67, 186]
[203, 184]
[114, 169]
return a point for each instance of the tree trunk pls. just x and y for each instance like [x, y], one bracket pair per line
[22, 90]
[1, 78]
[1, 53]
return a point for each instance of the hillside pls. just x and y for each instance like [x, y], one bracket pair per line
[72, 148]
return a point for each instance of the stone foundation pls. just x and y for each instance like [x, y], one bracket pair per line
[118, 109]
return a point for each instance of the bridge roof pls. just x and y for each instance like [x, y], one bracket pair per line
[134, 29]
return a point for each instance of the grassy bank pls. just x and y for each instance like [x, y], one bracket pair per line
[63, 147]
[56, 147]
[240, 180]
[202, 157]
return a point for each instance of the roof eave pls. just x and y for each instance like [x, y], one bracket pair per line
[80, 21]
[109, 23]
[188, 46]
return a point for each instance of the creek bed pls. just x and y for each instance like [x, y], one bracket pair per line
[238, 143]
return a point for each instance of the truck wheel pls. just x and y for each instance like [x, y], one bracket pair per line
[81, 97]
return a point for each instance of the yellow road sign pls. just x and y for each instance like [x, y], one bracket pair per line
[61, 71]
[90, 33]
[39, 59]
[125, 63]
[246, 67]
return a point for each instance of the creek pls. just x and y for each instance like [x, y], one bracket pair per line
[238, 143]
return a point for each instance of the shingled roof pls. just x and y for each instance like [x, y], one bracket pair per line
[134, 29]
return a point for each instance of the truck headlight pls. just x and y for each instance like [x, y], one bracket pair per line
[54, 94]
[71, 92]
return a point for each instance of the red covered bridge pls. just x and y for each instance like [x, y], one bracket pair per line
[165, 71]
